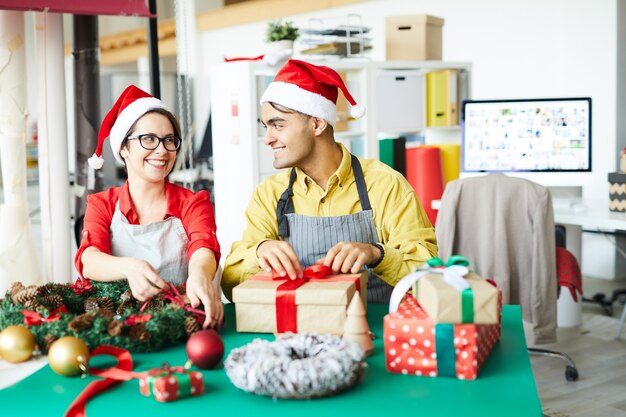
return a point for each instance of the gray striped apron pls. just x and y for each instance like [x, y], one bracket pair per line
[312, 237]
[162, 244]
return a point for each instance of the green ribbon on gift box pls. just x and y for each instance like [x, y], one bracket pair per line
[453, 272]
[184, 382]
[444, 346]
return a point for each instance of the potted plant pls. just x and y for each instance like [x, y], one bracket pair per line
[280, 35]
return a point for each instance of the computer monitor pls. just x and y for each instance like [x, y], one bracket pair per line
[545, 140]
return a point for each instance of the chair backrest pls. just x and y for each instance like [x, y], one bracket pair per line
[505, 226]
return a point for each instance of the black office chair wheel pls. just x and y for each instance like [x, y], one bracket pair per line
[571, 373]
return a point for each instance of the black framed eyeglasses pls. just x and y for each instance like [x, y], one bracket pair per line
[151, 141]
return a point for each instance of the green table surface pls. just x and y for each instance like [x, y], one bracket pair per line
[505, 386]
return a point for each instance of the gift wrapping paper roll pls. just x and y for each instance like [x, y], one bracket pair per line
[424, 173]
[450, 161]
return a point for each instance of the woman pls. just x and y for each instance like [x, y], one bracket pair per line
[149, 231]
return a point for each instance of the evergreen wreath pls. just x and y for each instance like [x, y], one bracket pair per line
[100, 313]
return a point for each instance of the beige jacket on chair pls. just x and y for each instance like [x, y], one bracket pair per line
[505, 226]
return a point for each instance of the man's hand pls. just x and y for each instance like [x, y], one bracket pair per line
[201, 290]
[279, 256]
[351, 257]
[144, 281]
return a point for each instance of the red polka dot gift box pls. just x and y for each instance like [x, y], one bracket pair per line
[416, 345]
[171, 384]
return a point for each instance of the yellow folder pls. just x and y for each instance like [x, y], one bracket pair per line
[441, 98]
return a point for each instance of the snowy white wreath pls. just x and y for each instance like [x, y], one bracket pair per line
[305, 365]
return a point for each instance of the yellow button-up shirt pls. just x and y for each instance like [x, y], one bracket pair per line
[401, 223]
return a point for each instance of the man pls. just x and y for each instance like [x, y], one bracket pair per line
[330, 207]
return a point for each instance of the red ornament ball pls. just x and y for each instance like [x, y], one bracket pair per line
[205, 349]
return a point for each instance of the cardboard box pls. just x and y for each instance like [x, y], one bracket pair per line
[617, 191]
[416, 345]
[320, 304]
[443, 303]
[416, 37]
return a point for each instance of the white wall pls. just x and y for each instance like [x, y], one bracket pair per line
[534, 48]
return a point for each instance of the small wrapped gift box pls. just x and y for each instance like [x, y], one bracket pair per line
[416, 345]
[170, 384]
[269, 304]
[450, 293]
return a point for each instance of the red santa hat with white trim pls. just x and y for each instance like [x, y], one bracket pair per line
[129, 107]
[310, 89]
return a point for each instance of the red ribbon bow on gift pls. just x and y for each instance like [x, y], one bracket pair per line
[33, 318]
[81, 285]
[286, 308]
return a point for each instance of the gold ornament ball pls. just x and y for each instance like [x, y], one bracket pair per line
[67, 355]
[17, 344]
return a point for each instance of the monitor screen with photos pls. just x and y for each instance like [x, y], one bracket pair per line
[533, 135]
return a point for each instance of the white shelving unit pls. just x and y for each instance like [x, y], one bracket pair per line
[241, 160]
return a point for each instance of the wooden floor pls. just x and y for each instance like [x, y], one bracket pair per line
[600, 359]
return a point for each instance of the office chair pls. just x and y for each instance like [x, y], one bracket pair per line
[505, 225]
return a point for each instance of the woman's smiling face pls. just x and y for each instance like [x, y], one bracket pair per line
[149, 165]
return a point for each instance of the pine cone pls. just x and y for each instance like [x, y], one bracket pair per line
[191, 325]
[52, 301]
[125, 305]
[91, 304]
[48, 340]
[15, 288]
[51, 288]
[26, 294]
[140, 333]
[105, 313]
[155, 304]
[106, 304]
[80, 323]
[127, 296]
[115, 328]
[33, 304]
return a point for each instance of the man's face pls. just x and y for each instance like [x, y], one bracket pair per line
[290, 135]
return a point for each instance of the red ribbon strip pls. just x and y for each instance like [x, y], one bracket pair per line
[174, 296]
[286, 308]
[114, 375]
[81, 285]
[136, 319]
[33, 318]
[120, 372]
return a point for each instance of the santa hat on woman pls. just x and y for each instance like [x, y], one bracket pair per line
[310, 89]
[129, 107]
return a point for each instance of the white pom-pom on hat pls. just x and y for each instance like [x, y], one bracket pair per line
[357, 112]
[95, 161]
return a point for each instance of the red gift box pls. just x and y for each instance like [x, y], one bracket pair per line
[170, 384]
[415, 345]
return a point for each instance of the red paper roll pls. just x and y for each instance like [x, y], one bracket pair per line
[424, 173]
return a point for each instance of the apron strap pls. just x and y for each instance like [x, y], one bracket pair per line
[360, 184]
[285, 202]
[285, 206]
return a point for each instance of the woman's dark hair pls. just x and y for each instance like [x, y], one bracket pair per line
[170, 116]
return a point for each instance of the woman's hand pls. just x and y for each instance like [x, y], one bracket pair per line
[144, 281]
[200, 289]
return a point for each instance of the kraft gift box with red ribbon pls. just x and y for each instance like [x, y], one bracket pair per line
[450, 293]
[169, 384]
[267, 303]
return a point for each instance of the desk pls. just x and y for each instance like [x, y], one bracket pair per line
[505, 386]
[591, 215]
